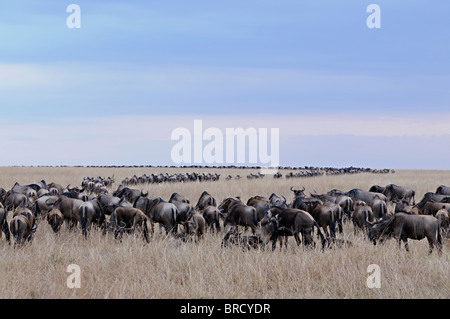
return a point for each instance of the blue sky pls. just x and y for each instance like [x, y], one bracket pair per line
[253, 60]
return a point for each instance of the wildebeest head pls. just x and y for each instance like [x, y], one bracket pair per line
[298, 192]
[379, 230]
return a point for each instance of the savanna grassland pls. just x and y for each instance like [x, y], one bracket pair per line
[169, 268]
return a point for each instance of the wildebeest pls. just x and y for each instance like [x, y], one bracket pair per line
[377, 189]
[275, 200]
[55, 219]
[443, 216]
[195, 226]
[69, 207]
[402, 206]
[368, 197]
[325, 217]
[431, 208]
[431, 197]
[14, 199]
[108, 203]
[361, 213]
[43, 205]
[184, 209]
[399, 192]
[130, 194]
[233, 237]
[443, 190]
[179, 198]
[293, 222]
[212, 217]
[236, 213]
[131, 219]
[206, 199]
[4, 227]
[403, 226]
[21, 230]
[379, 207]
[91, 212]
[163, 213]
[22, 225]
[261, 204]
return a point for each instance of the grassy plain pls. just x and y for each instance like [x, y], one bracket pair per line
[167, 268]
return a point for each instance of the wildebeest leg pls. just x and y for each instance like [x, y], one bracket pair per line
[6, 231]
[285, 242]
[297, 239]
[253, 227]
[405, 240]
[431, 245]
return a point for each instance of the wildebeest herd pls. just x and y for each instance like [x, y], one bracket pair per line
[271, 220]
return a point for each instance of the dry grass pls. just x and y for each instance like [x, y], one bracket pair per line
[167, 268]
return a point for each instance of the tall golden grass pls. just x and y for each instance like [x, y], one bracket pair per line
[168, 268]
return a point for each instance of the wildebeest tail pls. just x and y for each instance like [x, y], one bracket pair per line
[332, 224]
[37, 209]
[439, 237]
[174, 219]
[17, 232]
[217, 222]
[83, 213]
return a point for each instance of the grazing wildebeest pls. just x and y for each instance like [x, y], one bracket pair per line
[368, 197]
[91, 212]
[261, 205]
[402, 206]
[14, 199]
[402, 226]
[361, 213]
[55, 219]
[21, 230]
[236, 213]
[338, 214]
[184, 209]
[443, 216]
[22, 210]
[212, 217]
[431, 197]
[109, 203]
[43, 205]
[292, 222]
[195, 226]
[163, 213]
[205, 200]
[130, 194]
[128, 219]
[69, 207]
[399, 192]
[379, 207]
[325, 217]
